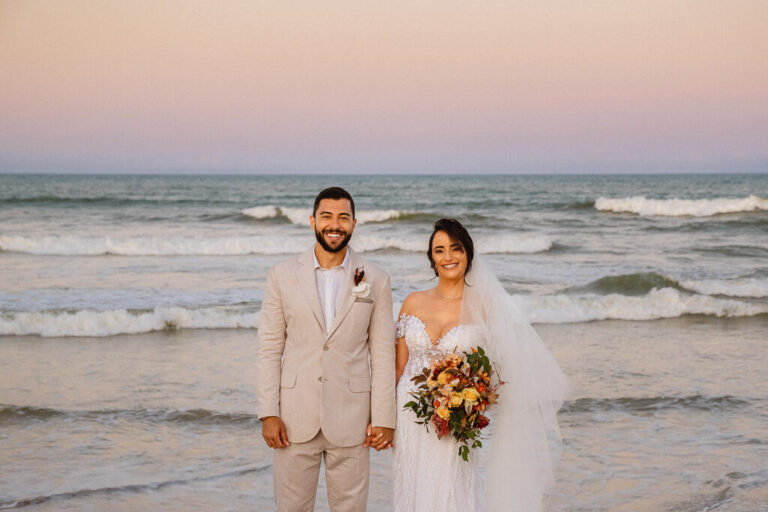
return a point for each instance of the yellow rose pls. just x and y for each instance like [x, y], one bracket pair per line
[455, 400]
[443, 378]
[432, 383]
[470, 395]
[443, 412]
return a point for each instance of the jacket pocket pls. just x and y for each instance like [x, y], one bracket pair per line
[288, 380]
[359, 384]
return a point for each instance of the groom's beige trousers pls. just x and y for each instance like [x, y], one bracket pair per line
[297, 467]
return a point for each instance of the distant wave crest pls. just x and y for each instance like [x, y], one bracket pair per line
[301, 215]
[108, 323]
[643, 206]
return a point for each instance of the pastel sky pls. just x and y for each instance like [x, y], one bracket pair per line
[396, 86]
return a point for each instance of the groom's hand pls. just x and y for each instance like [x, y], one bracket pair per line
[368, 436]
[381, 438]
[273, 431]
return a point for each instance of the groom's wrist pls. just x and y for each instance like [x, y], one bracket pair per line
[268, 412]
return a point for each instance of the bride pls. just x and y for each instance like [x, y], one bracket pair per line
[469, 307]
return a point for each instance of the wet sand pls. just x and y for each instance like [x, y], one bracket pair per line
[665, 415]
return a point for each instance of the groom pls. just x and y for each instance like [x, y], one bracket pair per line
[326, 316]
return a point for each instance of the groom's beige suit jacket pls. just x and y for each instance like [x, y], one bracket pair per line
[336, 381]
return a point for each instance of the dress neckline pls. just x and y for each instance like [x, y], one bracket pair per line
[424, 327]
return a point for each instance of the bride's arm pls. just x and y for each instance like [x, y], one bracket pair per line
[401, 348]
[401, 358]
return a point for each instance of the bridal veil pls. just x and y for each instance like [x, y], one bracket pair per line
[524, 431]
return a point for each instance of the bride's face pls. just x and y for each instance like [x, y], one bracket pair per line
[449, 257]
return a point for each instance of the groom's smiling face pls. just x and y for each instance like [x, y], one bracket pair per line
[333, 224]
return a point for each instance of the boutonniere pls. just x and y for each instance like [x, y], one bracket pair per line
[361, 288]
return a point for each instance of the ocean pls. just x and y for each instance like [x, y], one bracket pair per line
[129, 307]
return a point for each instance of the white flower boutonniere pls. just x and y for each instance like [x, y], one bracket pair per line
[361, 289]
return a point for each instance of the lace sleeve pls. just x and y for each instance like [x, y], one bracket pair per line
[400, 326]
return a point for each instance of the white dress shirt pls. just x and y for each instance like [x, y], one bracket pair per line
[330, 288]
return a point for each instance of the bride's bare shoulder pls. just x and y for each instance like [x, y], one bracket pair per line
[415, 301]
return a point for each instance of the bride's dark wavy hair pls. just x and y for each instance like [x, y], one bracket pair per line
[457, 233]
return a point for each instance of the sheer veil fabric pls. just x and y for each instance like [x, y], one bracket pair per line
[525, 437]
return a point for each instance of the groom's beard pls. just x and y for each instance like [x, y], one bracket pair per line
[324, 244]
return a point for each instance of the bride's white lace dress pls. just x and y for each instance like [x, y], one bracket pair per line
[428, 473]
[520, 444]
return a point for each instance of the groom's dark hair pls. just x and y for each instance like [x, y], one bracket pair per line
[457, 233]
[333, 193]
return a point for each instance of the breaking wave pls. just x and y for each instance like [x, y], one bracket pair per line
[301, 215]
[234, 246]
[151, 245]
[560, 308]
[629, 284]
[657, 304]
[108, 323]
[741, 287]
[643, 206]
[643, 282]
[506, 244]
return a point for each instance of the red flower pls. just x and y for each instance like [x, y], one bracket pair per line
[442, 427]
[359, 275]
[482, 421]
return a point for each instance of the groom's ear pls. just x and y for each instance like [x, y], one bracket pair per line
[312, 222]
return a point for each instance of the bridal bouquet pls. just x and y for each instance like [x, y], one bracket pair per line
[453, 394]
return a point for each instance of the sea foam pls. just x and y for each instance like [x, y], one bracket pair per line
[152, 245]
[643, 206]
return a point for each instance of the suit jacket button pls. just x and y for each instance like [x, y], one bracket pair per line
[320, 379]
[325, 347]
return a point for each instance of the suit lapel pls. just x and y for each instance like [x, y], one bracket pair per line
[349, 282]
[308, 282]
